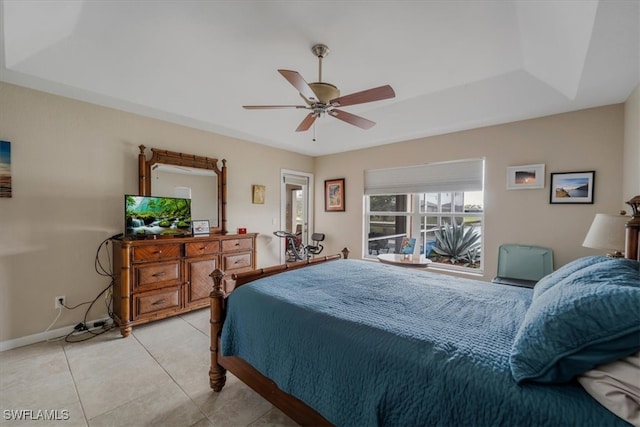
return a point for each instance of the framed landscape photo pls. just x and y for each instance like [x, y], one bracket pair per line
[572, 187]
[200, 227]
[334, 195]
[525, 177]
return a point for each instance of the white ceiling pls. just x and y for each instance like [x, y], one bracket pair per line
[454, 65]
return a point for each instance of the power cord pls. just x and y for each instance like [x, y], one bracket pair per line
[86, 332]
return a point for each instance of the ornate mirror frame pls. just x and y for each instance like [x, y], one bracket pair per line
[187, 160]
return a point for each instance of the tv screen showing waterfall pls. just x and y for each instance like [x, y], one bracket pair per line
[156, 216]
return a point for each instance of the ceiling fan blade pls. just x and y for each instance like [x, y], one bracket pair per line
[299, 83]
[263, 107]
[352, 119]
[307, 122]
[369, 95]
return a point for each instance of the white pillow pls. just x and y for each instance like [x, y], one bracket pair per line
[616, 386]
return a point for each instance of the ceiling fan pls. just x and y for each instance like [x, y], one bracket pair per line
[322, 98]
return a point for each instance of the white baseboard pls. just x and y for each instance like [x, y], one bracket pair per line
[43, 336]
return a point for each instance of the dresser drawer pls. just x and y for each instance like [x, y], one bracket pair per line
[151, 304]
[156, 275]
[237, 244]
[202, 248]
[156, 252]
[235, 262]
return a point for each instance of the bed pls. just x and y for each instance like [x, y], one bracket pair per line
[352, 342]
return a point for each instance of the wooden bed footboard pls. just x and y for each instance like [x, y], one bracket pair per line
[290, 405]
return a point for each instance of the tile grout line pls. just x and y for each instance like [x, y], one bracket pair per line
[169, 374]
[208, 336]
[75, 385]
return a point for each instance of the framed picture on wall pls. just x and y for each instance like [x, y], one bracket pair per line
[334, 195]
[5, 169]
[525, 177]
[572, 187]
[258, 194]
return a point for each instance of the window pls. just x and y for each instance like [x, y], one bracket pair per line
[388, 221]
[438, 212]
[451, 206]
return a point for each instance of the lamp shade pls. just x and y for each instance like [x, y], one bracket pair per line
[606, 232]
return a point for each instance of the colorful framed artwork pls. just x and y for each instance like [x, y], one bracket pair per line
[258, 194]
[525, 177]
[5, 169]
[572, 187]
[334, 195]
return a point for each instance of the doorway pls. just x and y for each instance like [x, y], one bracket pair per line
[295, 205]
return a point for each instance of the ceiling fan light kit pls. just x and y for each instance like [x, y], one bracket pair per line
[322, 98]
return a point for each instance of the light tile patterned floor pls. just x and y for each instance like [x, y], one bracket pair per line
[158, 376]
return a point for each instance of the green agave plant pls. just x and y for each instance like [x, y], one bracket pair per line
[458, 243]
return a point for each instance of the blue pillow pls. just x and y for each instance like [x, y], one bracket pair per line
[551, 279]
[589, 317]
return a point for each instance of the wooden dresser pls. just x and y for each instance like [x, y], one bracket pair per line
[164, 277]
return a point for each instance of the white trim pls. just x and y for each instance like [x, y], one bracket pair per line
[43, 336]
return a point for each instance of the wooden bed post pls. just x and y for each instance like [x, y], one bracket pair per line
[632, 250]
[217, 374]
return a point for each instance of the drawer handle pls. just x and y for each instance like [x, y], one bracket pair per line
[160, 301]
[237, 243]
[159, 274]
[237, 261]
[159, 252]
[203, 248]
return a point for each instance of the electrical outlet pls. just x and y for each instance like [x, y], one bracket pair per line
[57, 303]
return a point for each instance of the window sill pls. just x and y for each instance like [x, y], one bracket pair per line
[475, 272]
[443, 268]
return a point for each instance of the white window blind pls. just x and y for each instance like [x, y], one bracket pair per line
[296, 180]
[459, 175]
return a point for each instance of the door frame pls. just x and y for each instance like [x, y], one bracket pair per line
[308, 230]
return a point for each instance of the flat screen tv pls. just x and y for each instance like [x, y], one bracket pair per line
[156, 216]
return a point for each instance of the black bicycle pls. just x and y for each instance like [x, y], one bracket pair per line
[295, 250]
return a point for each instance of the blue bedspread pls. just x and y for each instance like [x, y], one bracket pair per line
[372, 344]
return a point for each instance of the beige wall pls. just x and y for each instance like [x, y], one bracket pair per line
[580, 141]
[72, 162]
[631, 180]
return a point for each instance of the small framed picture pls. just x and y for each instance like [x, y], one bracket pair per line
[5, 169]
[407, 246]
[334, 195]
[525, 177]
[258, 195]
[572, 187]
[200, 227]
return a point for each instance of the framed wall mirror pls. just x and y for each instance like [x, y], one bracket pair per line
[173, 174]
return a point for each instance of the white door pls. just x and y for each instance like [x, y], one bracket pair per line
[295, 205]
